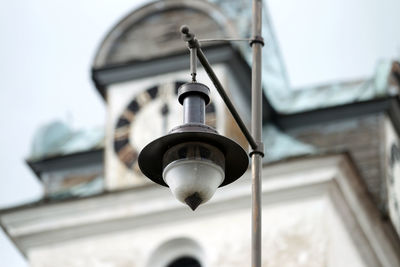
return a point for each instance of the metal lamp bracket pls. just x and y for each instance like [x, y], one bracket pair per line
[259, 150]
[195, 50]
[257, 39]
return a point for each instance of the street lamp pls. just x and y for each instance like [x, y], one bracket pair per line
[193, 159]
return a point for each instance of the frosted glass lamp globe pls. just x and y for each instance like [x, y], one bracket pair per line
[193, 181]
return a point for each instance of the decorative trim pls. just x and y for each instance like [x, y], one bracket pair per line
[331, 176]
[220, 53]
[353, 110]
[66, 161]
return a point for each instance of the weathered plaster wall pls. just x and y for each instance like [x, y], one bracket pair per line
[362, 137]
[299, 233]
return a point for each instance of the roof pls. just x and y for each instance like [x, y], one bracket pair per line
[56, 139]
[232, 19]
[152, 31]
[385, 82]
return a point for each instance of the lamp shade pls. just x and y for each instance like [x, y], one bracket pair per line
[193, 160]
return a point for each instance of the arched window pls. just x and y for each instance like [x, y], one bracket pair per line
[184, 261]
[178, 252]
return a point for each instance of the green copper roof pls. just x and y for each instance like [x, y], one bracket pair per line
[57, 139]
[276, 87]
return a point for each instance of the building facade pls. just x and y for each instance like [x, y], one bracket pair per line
[331, 181]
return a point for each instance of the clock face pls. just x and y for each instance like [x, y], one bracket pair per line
[392, 147]
[150, 114]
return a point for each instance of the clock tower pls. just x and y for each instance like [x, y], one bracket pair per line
[138, 69]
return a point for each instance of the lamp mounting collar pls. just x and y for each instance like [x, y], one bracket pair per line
[192, 88]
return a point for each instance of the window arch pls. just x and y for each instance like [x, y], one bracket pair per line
[185, 261]
[179, 252]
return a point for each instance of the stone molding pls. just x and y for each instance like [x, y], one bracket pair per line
[331, 176]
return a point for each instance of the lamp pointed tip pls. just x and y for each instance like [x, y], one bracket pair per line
[194, 200]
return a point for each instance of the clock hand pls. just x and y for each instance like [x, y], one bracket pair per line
[164, 112]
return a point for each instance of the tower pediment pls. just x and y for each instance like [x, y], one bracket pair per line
[153, 31]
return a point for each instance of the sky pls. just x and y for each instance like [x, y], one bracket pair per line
[47, 48]
[331, 40]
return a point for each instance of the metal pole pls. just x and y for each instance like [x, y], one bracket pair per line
[256, 129]
[193, 63]
[255, 138]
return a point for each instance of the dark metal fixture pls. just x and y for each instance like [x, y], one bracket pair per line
[193, 159]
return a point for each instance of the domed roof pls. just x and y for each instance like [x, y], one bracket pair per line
[57, 139]
[153, 31]
[48, 137]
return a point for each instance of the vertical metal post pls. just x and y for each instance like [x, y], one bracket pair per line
[256, 129]
[193, 63]
[255, 139]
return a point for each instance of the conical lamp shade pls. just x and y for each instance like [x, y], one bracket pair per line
[192, 181]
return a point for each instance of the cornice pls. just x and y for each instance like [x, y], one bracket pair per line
[333, 177]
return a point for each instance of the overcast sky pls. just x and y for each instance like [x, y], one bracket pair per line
[47, 47]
